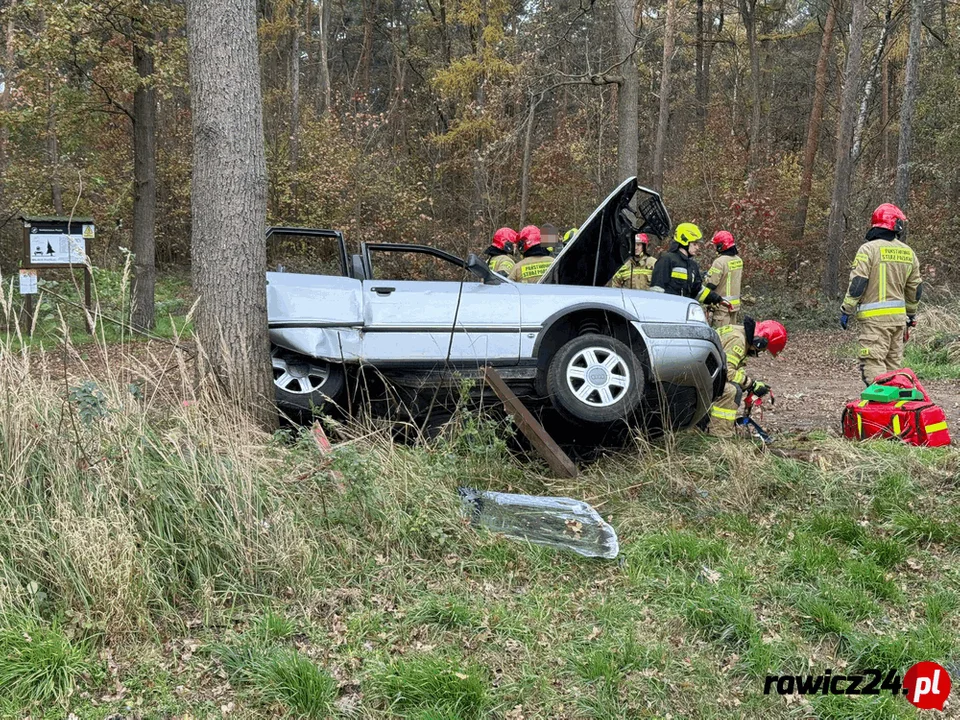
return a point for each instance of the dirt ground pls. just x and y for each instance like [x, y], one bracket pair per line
[812, 382]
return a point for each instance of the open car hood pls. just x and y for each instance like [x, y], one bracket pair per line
[605, 240]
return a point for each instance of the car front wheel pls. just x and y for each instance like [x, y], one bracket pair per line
[305, 383]
[595, 379]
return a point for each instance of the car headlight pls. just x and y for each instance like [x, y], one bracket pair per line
[695, 313]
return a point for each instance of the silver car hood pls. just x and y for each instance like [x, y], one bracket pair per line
[605, 240]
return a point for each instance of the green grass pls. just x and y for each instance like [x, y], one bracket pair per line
[198, 563]
[929, 363]
[39, 664]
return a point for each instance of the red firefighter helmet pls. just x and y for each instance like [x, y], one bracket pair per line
[529, 237]
[723, 240]
[888, 216]
[641, 238]
[773, 333]
[505, 239]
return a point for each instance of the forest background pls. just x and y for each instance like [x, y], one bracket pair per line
[437, 121]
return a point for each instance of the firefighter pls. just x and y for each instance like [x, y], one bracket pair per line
[536, 259]
[569, 235]
[677, 273]
[636, 272]
[724, 276]
[738, 342]
[500, 253]
[550, 239]
[885, 288]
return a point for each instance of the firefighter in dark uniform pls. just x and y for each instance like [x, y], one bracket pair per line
[677, 273]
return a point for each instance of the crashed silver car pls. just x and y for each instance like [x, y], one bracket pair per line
[357, 331]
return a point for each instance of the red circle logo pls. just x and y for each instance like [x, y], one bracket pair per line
[927, 685]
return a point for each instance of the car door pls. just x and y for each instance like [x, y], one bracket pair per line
[488, 324]
[408, 321]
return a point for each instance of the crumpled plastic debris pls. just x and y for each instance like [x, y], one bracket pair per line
[558, 522]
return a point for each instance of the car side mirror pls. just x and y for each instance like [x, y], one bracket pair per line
[479, 268]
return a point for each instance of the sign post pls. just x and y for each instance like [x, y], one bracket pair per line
[55, 242]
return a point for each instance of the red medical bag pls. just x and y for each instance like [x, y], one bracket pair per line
[917, 422]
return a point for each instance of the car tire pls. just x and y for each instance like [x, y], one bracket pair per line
[305, 383]
[595, 379]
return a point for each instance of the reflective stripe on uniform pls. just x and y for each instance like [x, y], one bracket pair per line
[723, 414]
[733, 300]
[533, 269]
[679, 273]
[883, 282]
[876, 309]
[732, 359]
[739, 377]
[725, 329]
[703, 294]
[936, 427]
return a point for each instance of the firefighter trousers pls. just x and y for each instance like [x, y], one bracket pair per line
[881, 350]
[720, 317]
[723, 414]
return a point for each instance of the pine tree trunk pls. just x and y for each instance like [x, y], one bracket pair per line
[294, 84]
[145, 190]
[53, 153]
[901, 191]
[698, 67]
[9, 69]
[813, 123]
[748, 13]
[628, 95]
[885, 118]
[843, 176]
[228, 202]
[525, 170]
[660, 147]
[324, 19]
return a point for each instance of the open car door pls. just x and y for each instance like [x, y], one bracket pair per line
[605, 240]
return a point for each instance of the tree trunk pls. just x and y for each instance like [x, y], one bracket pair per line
[53, 154]
[813, 123]
[228, 202]
[748, 13]
[871, 80]
[525, 170]
[660, 147]
[885, 118]
[901, 191]
[145, 189]
[294, 101]
[844, 163]
[628, 95]
[324, 20]
[9, 68]
[698, 67]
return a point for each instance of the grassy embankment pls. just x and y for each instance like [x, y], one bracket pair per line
[162, 560]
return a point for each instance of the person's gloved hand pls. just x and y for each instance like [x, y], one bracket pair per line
[911, 320]
[726, 305]
[844, 318]
[759, 389]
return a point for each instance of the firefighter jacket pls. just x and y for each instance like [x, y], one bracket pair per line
[532, 267]
[736, 341]
[885, 284]
[501, 263]
[724, 276]
[635, 273]
[676, 273]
